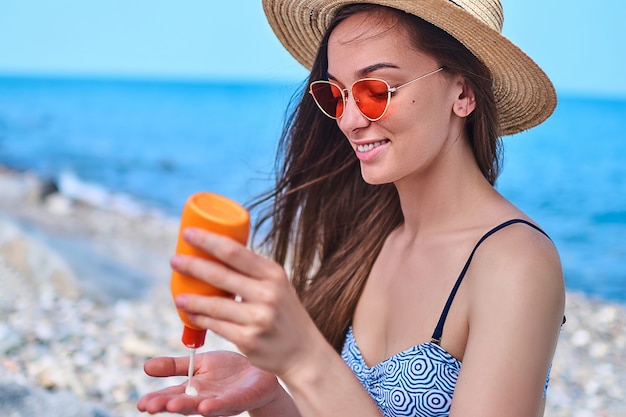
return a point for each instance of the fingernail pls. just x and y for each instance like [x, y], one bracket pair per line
[189, 233]
[175, 261]
[180, 301]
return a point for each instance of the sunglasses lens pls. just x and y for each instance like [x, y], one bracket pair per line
[372, 97]
[328, 97]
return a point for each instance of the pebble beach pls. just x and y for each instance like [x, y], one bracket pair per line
[84, 301]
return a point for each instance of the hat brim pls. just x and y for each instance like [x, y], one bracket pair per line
[524, 94]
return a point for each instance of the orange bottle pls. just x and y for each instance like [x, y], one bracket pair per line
[216, 214]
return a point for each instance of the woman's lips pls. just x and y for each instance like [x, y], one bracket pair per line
[368, 151]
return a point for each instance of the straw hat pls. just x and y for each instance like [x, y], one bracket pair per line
[524, 95]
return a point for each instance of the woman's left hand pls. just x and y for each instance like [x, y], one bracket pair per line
[267, 322]
[225, 382]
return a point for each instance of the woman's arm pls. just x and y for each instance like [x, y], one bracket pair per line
[271, 328]
[325, 386]
[517, 301]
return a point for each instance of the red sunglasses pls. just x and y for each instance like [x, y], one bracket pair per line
[371, 95]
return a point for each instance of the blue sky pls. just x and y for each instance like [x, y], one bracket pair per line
[576, 42]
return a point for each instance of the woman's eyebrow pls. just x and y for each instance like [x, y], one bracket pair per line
[375, 67]
[369, 69]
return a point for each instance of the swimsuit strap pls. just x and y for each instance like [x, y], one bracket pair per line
[436, 337]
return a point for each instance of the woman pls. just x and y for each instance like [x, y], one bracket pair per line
[415, 288]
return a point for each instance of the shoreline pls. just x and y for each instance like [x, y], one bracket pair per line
[84, 300]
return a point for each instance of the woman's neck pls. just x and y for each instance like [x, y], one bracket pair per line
[443, 197]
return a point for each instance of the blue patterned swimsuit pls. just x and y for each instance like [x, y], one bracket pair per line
[420, 381]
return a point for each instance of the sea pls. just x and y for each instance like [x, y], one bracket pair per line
[145, 145]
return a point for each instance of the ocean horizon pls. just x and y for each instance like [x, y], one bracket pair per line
[146, 145]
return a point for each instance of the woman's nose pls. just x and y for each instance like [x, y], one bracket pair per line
[352, 118]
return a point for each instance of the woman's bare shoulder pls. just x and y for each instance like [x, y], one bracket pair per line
[517, 265]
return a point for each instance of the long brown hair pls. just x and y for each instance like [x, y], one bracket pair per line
[326, 225]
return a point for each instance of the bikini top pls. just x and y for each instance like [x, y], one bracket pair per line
[419, 381]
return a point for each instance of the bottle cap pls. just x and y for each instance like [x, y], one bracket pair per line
[193, 338]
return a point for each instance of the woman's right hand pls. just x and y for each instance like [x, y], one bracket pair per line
[226, 382]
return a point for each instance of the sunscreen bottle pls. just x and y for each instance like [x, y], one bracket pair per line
[216, 214]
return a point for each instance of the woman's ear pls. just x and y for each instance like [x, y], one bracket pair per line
[465, 102]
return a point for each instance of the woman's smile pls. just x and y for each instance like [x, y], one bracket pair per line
[367, 151]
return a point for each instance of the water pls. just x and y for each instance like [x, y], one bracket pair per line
[157, 142]
[570, 175]
[134, 144]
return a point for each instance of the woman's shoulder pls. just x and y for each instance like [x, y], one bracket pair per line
[517, 265]
[513, 242]
[517, 245]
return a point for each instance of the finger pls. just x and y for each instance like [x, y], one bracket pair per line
[167, 366]
[218, 407]
[217, 308]
[233, 332]
[174, 400]
[216, 274]
[184, 404]
[229, 252]
[157, 401]
[152, 404]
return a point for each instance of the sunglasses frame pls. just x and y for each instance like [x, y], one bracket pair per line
[345, 93]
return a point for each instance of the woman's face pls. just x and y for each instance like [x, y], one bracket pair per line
[420, 123]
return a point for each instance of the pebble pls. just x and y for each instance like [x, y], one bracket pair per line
[59, 343]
